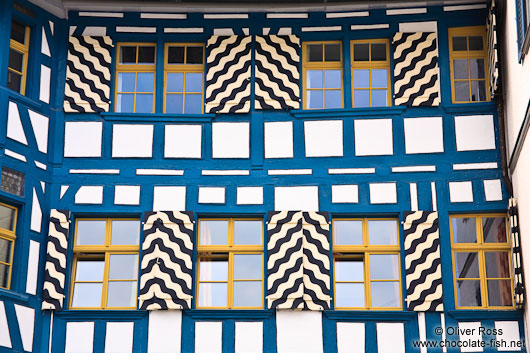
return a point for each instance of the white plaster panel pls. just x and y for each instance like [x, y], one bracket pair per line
[132, 140]
[164, 333]
[211, 195]
[390, 337]
[36, 213]
[249, 337]
[45, 82]
[493, 190]
[230, 140]
[373, 137]
[323, 138]
[296, 198]
[413, 188]
[82, 139]
[350, 337]
[169, 198]
[64, 189]
[208, 337]
[95, 31]
[424, 135]
[119, 337]
[127, 195]
[33, 267]
[183, 141]
[89, 195]
[383, 193]
[44, 47]
[15, 130]
[413, 27]
[250, 195]
[344, 194]
[473, 329]
[5, 338]
[40, 123]
[15, 155]
[299, 331]
[474, 133]
[52, 25]
[26, 325]
[79, 337]
[279, 139]
[510, 333]
[461, 191]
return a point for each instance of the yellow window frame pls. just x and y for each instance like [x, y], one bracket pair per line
[321, 65]
[183, 68]
[224, 251]
[364, 251]
[85, 252]
[134, 68]
[22, 48]
[469, 54]
[371, 65]
[9, 235]
[481, 248]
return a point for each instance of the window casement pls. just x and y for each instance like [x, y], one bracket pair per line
[371, 73]
[8, 221]
[18, 57]
[468, 53]
[522, 9]
[183, 78]
[322, 72]
[481, 261]
[135, 78]
[366, 257]
[230, 257]
[105, 271]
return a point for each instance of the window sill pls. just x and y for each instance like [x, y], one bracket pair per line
[354, 315]
[339, 113]
[16, 297]
[157, 117]
[489, 314]
[478, 107]
[97, 313]
[228, 314]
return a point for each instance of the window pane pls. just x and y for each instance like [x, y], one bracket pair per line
[18, 32]
[477, 68]
[213, 232]
[128, 55]
[87, 295]
[384, 267]
[500, 292]
[314, 52]
[494, 229]
[121, 294]
[194, 82]
[332, 78]
[125, 232]
[193, 104]
[248, 232]
[314, 79]
[14, 81]
[361, 98]
[91, 232]
[5, 250]
[12, 182]
[466, 265]
[349, 295]
[16, 60]
[194, 55]
[315, 99]
[333, 99]
[248, 267]
[125, 103]
[464, 230]
[332, 52]
[146, 55]
[361, 78]
[379, 98]
[462, 91]
[174, 103]
[461, 69]
[361, 52]
[468, 293]
[382, 232]
[248, 294]
[349, 270]
[378, 52]
[475, 43]
[348, 232]
[213, 270]
[146, 82]
[4, 275]
[385, 294]
[126, 81]
[497, 264]
[175, 55]
[123, 266]
[478, 91]
[213, 294]
[89, 270]
[144, 103]
[459, 43]
[175, 82]
[7, 217]
[379, 78]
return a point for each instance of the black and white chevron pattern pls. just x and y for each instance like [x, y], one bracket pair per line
[493, 58]
[228, 75]
[55, 268]
[423, 267]
[298, 264]
[277, 72]
[166, 267]
[518, 283]
[87, 88]
[416, 74]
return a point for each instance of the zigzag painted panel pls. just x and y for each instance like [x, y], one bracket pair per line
[277, 75]
[416, 73]
[55, 268]
[87, 88]
[518, 283]
[423, 266]
[228, 75]
[167, 267]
